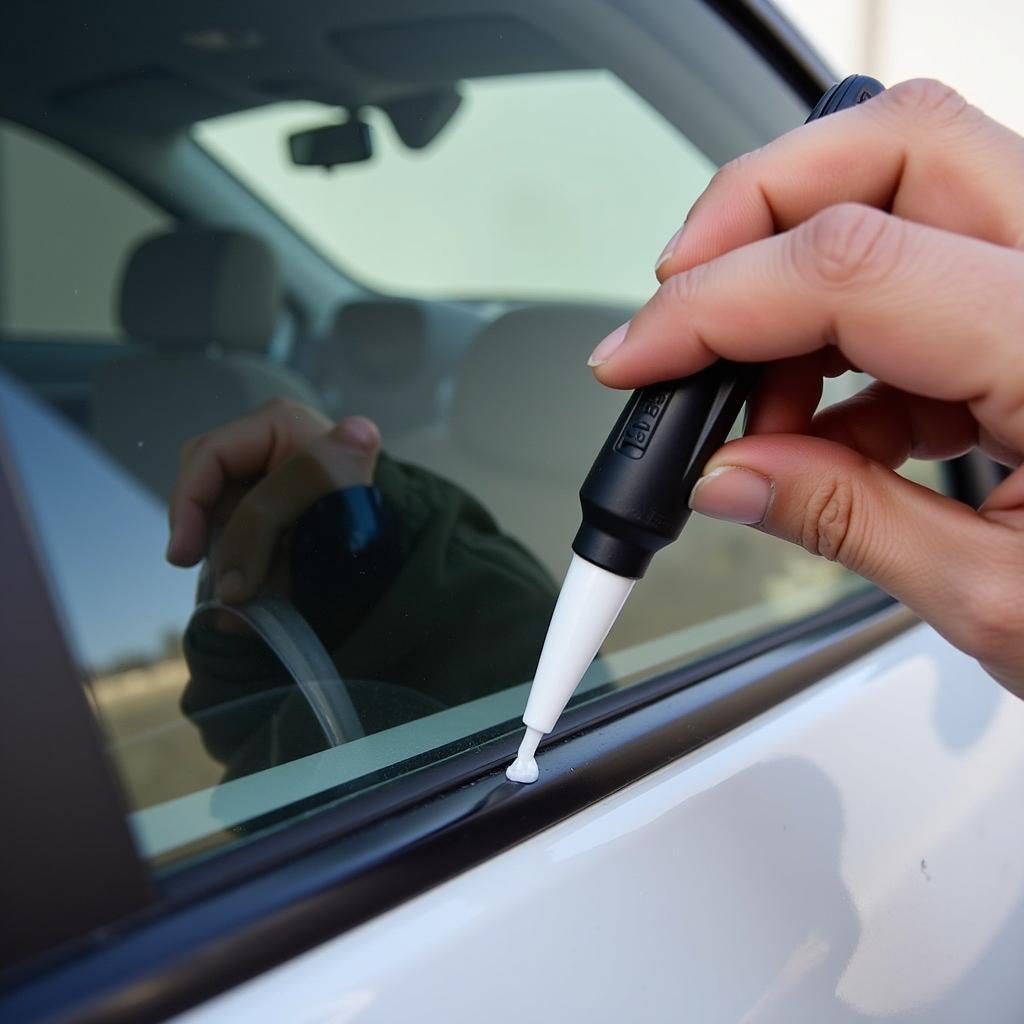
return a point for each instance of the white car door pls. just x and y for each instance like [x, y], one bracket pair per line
[851, 854]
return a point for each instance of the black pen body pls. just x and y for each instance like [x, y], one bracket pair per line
[635, 498]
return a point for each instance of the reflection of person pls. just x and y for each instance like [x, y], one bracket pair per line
[463, 615]
[887, 237]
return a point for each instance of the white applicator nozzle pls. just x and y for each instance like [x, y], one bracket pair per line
[587, 607]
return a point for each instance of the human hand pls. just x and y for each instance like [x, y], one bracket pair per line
[256, 476]
[885, 238]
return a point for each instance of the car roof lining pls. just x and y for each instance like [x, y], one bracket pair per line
[164, 72]
[688, 62]
[353, 67]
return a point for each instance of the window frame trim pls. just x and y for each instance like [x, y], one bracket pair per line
[55, 899]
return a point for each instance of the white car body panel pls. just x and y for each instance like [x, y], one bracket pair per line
[856, 853]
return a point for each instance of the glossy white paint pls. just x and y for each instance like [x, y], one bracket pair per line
[855, 854]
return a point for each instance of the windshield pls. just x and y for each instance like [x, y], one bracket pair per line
[573, 171]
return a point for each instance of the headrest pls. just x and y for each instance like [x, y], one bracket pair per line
[196, 287]
[524, 398]
[380, 342]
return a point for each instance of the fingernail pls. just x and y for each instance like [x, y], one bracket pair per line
[735, 494]
[603, 352]
[360, 433]
[174, 554]
[670, 248]
[229, 585]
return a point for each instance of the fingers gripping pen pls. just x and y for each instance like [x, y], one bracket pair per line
[635, 501]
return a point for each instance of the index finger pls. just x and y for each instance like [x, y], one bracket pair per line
[929, 312]
[917, 149]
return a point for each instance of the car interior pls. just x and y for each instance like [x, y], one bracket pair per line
[154, 286]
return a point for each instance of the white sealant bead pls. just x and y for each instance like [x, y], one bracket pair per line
[524, 768]
[524, 771]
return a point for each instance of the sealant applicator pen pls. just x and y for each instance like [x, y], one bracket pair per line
[635, 501]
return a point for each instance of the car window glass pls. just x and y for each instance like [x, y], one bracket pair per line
[423, 595]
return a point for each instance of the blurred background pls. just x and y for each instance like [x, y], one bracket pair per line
[973, 47]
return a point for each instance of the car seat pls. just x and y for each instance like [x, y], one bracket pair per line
[525, 422]
[391, 359]
[203, 303]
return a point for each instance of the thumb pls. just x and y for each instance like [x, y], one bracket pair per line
[934, 554]
[344, 456]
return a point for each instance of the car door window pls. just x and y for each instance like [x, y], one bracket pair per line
[515, 225]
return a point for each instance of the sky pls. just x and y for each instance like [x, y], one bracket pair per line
[975, 48]
[103, 533]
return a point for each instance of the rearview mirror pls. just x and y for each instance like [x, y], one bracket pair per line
[331, 145]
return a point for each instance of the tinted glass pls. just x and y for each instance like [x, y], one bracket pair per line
[404, 601]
